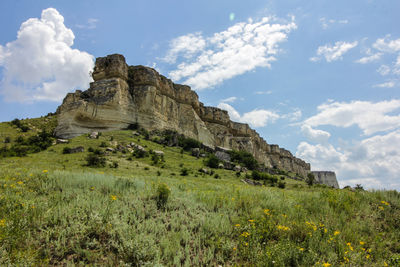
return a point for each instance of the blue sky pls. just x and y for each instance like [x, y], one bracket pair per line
[320, 78]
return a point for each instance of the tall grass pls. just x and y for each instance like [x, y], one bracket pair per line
[61, 217]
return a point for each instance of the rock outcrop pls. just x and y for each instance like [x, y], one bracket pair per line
[326, 177]
[122, 95]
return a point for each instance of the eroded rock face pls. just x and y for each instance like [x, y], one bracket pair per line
[326, 177]
[121, 95]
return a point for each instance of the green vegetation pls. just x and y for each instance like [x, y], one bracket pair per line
[54, 210]
[244, 158]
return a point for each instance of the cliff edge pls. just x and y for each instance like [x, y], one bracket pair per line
[122, 95]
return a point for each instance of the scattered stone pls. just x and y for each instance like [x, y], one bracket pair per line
[251, 182]
[196, 152]
[237, 168]
[221, 165]
[94, 135]
[62, 141]
[159, 153]
[204, 170]
[135, 133]
[202, 155]
[224, 156]
[110, 149]
[77, 149]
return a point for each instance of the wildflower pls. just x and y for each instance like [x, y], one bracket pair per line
[233, 199]
[325, 230]
[45, 171]
[266, 212]
[246, 244]
[2, 222]
[325, 264]
[385, 203]
[237, 225]
[283, 228]
[245, 234]
[367, 256]
[251, 221]
[336, 233]
[92, 188]
[31, 174]
[301, 249]
[346, 259]
[381, 208]
[20, 182]
[234, 248]
[284, 215]
[362, 243]
[113, 197]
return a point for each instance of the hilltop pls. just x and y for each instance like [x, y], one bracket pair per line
[126, 197]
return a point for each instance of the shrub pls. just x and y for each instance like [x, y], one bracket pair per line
[184, 172]
[133, 126]
[359, 187]
[90, 149]
[310, 179]
[162, 195]
[212, 161]
[216, 176]
[24, 128]
[16, 122]
[244, 158]
[95, 160]
[188, 143]
[158, 173]
[66, 150]
[103, 144]
[7, 139]
[114, 164]
[281, 184]
[139, 153]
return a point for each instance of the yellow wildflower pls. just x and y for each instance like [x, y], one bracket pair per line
[113, 197]
[45, 171]
[283, 228]
[301, 249]
[233, 198]
[237, 225]
[92, 188]
[245, 234]
[325, 230]
[362, 243]
[346, 259]
[234, 248]
[246, 244]
[325, 264]
[20, 182]
[385, 203]
[251, 221]
[336, 233]
[2, 222]
[368, 256]
[381, 208]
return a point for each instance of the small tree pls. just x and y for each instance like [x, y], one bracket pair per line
[310, 179]
[212, 161]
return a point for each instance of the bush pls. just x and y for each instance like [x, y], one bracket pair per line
[162, 195]
[244, 158]
[103, 144]
[114, 164]
[188, 143]
[7, 140]
[184, 172]
[212, 161]
[139, 153]
[133, 126]
[282, 185]
[310, 179]
[95, 160]
[66, 150]
[90, 149]
[216, 176]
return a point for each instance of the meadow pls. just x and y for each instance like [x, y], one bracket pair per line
[55, 210]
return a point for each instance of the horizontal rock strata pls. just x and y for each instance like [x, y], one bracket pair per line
[122, 95]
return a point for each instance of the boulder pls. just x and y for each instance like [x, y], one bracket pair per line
[221, 165]
[224, 156]
[237, 168]
[251, 182]
[77, 149]
[159, 153]
[94, 135]
[196, 152]
[62, 141]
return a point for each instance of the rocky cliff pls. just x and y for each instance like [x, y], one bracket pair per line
[121, 95]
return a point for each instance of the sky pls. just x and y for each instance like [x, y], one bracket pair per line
[320, 78]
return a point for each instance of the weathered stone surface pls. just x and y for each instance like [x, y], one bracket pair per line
[94, 135]
[77, 149]
[62, 141]
[223, 156]
[326, 177]
[122, 95]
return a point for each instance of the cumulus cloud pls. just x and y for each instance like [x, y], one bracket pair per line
[383, 70]
[388, 46]
[333, 53]
[255, 118]
[315, 135]
[389, 84]
[208, 61]
[40, 64]
[373, 162]
[370, 58]
[368, 116]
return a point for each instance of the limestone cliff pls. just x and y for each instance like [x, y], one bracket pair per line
[121, 95]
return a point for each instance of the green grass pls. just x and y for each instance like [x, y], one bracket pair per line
[56, 211]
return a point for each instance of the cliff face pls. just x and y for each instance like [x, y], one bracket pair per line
[121, 95]
[326, 177]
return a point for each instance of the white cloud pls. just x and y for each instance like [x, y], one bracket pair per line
[263, 92]
[383, 70]
[315, 135]
[389, 84]
[333, 53]
[388, 46]
[293, 116]
[40, 64]
[255, 118]
[369, 117]
[91, 24]
[229, 99]
[326, 23]
[370, 58]
[208, 61]
[373, 162]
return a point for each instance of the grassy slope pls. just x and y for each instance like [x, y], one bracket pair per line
[105, 216]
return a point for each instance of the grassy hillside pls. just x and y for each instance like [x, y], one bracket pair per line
[54, 210]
